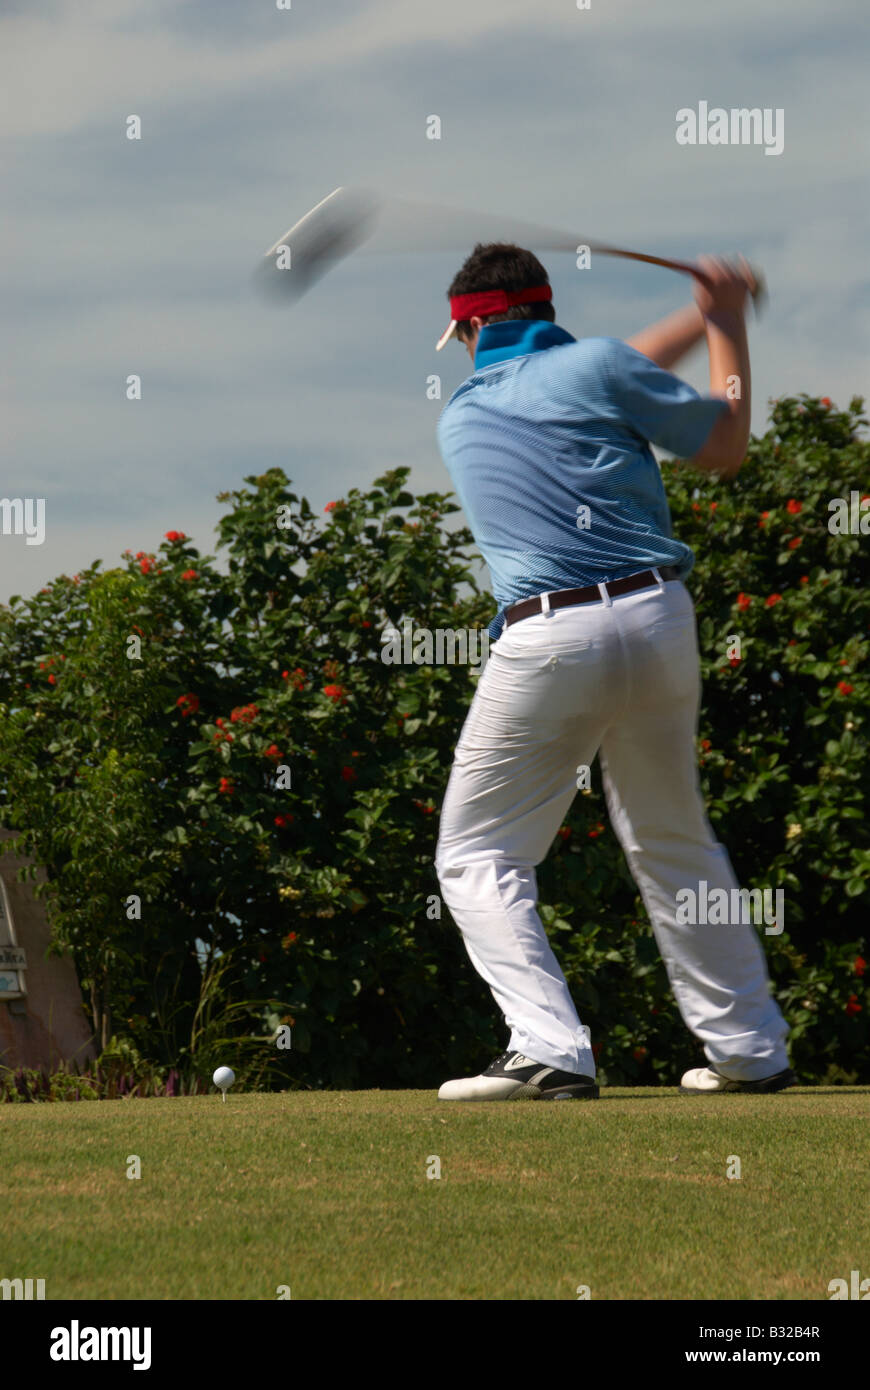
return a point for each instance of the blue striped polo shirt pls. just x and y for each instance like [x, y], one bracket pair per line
[548, 447]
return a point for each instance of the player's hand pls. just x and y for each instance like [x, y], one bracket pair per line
[725, 286]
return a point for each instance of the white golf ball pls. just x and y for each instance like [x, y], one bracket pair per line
[224, 1077]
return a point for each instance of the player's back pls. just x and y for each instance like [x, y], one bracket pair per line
[547, 443]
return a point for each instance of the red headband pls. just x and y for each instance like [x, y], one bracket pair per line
[466, 306]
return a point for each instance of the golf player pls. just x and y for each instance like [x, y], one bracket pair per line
[594, 651]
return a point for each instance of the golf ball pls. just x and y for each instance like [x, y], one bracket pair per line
[224, 1077]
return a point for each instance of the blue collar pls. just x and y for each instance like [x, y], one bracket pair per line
[498, 342]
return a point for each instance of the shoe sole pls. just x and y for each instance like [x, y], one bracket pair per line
[527, 1092]
[569, 1093]
[752, 1088]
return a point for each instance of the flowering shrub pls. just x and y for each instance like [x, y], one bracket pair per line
[164, 777]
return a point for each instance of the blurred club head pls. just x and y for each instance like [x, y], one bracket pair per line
[318, 241]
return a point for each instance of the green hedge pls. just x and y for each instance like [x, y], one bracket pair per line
[155, 773]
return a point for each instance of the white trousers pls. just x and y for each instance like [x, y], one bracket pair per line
[619, 676]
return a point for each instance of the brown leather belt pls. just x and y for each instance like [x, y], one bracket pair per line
[567, 598]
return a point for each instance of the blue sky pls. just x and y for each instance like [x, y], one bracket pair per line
[128, 257]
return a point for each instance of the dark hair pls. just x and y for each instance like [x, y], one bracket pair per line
[501, 266]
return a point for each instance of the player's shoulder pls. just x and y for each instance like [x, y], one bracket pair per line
[461, 391]
[449, 421]
[597, 349]
[591, 353]
[592, 366]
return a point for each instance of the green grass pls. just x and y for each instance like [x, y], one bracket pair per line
[327, 1192]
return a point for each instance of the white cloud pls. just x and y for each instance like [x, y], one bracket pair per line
[559, 115]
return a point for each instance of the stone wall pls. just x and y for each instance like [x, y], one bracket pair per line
[54, 1027]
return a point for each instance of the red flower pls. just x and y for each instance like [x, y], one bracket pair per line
[273, 751]
[52, 680]
[735, 661]
[336, 693]
[222, 737]
[226, 786]
[146, 565]
[219, 723]
[190, 574]
[774, 598]
[639, 1054]
[853, 1007]
[805, 579]
[794, 507]
[564, 832]
[826, 402]
[860, 965]
[793, 544]
[696, 506]
[596, 1050]
[285, 675]
[763, 518]
[349, 774]
[705, 744]
[175, 536]
[244, 714]
[282, 821]
[845, 688]
[744, 600]
[298, 677]
[330, 506]
[792, 641]
[365, 623]
[289, 939]
[188, 704]
[713, 506]
[593, 834]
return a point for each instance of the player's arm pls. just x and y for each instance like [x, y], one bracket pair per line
[668, 341]
[722, 305]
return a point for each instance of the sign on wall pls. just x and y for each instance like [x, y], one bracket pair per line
[13, 958]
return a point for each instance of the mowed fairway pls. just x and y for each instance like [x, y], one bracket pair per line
[328, 1193]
